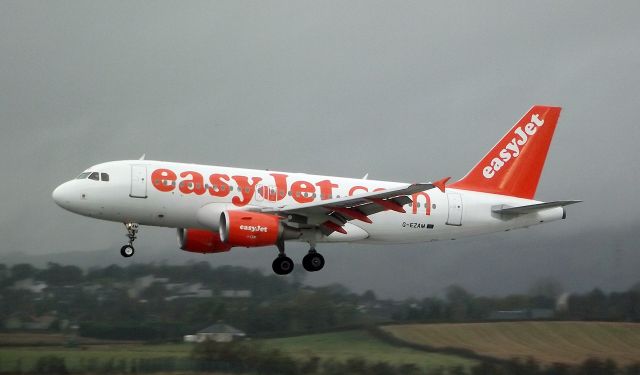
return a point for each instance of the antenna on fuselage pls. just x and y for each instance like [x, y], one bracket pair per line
[365, 176]
[142, 157]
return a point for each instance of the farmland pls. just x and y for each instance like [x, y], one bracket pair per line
[547, 342]
[337, 345]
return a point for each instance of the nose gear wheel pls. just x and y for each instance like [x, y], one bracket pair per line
[132, 231]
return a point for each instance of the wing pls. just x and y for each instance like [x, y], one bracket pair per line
[331, 214]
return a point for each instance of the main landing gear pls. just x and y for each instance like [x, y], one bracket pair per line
[313, 261]
[283, 265]
[132, 230]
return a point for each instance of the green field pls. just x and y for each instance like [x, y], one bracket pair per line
[338, 345]
[344, 345]
[27, 356]
[568, 342]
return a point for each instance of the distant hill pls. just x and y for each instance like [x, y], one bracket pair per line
[144, 254]
[592, 258]
[548, 342]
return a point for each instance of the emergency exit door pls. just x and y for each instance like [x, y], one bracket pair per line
[455, 209]
[138, 181]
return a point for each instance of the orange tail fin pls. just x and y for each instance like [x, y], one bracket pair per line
[514, 165]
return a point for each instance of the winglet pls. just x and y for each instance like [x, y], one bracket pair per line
[440, 184]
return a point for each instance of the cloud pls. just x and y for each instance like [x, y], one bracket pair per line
[410, 92]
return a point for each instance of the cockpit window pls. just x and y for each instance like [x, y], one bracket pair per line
[83, 175]
[94, 176]
[104, 176]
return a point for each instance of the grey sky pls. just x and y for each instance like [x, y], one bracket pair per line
[407, 91]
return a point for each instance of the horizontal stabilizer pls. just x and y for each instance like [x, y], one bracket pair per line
[519, 210]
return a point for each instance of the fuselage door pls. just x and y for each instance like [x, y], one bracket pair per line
[455, 209]
[138, 181]
[260, 193]
[264, 195]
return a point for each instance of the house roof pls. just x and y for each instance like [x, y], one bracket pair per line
[221, 328]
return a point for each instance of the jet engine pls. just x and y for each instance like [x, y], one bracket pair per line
[253, 229]
[201, 241]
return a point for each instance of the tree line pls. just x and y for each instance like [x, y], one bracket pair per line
[100, 303]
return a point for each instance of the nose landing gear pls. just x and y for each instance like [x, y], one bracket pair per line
[132, 230]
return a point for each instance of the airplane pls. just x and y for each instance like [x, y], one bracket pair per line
[217, 208]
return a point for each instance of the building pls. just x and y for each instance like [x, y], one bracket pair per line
[233, 293]
[29, 323]
[218, 332]
[525, 314]
[184, 290]
[142, 283]
[30, 285]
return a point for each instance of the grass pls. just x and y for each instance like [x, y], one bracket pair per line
[75, 357]
[548, 342]
[348, 344]
[33, 339]
[337, 345]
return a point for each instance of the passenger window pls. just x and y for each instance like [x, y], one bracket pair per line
[94, 176]
[104, 176]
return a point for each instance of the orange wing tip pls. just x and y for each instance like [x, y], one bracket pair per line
[440, 184]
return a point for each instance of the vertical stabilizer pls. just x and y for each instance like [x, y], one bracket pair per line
[514, 165]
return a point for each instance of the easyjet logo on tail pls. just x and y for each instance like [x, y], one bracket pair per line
[512, 150]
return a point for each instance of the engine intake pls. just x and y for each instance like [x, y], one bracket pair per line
[201, 241]
[253, 229]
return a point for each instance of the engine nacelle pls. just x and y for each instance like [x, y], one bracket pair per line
[253, 229]
[201, 241]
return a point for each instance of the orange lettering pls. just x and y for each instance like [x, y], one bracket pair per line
[353, 189]
[302, 191]
[219, 187]
[427, 203]
[163, 179]
[280, 180]
[194, 185]
[326, 188]
[246, 189]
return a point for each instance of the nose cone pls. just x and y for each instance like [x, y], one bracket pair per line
[63, 195]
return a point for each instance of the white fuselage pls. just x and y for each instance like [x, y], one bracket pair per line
[133, 193]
